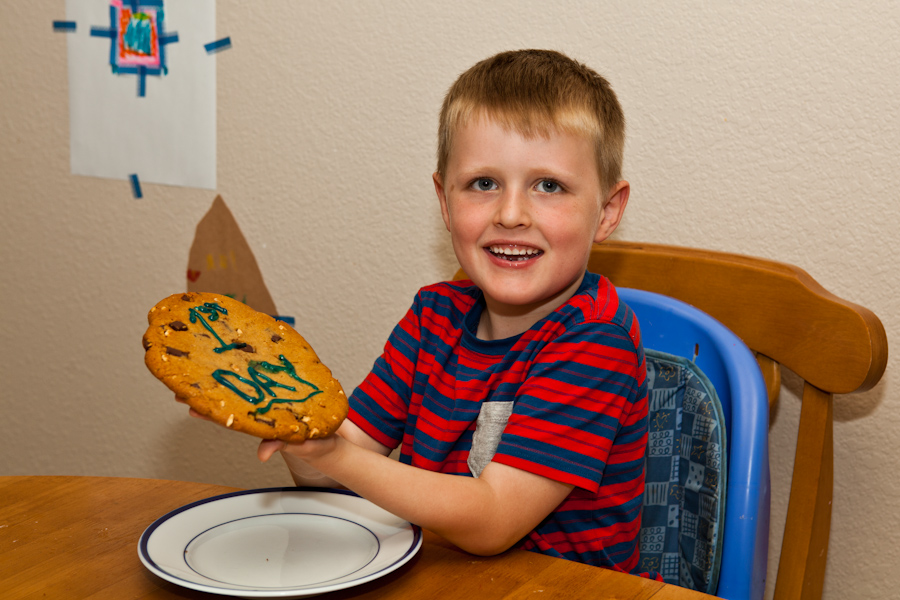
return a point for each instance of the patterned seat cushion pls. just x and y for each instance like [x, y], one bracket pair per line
[684, 501]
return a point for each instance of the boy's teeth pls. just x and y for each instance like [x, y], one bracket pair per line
[513, 251]
[515, 254]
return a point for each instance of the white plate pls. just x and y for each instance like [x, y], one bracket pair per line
[277, 543]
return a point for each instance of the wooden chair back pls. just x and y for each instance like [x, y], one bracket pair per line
[787, 319]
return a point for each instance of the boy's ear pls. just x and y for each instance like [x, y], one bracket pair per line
[442, 198]
[612, 211]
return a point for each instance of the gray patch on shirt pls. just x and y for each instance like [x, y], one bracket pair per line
[491, 422]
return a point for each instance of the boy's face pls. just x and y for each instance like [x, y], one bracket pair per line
[524, 212]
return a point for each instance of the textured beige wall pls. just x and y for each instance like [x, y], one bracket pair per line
[768, 129]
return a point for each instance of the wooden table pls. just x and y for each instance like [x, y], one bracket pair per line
[76, 537]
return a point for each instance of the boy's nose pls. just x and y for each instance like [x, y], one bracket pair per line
[513, 209]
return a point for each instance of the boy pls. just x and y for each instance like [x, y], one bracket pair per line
[518, 397]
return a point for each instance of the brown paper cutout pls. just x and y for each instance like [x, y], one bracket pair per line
[221, 261]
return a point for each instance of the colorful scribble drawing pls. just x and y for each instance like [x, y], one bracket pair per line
[138, 43]
[138, 39]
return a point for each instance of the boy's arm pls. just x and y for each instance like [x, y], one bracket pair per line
[484, 515]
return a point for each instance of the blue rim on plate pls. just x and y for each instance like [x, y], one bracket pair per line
[164, 546]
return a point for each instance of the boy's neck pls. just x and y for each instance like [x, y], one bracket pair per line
[500, 321]
[502, 327]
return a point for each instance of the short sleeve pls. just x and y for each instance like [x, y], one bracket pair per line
[380, 405]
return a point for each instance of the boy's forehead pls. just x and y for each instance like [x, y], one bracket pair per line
[485, 125]
[485, 146]
[482, 122]
[526, 123]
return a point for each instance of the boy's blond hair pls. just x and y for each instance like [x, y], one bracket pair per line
[533, 92]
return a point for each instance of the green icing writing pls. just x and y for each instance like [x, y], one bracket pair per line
[212, 310]
[262, 385]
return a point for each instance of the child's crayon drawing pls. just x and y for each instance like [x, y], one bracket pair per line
[138, 39]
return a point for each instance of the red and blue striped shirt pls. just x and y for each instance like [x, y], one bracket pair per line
[574, 389]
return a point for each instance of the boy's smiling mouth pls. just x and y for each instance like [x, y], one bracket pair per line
[514, 253]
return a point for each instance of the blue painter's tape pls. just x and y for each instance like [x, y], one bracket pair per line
[104, 32]
[142, 81]
[218, 45]
[64, 26]
[135, 186]
[137, 70]
[289, 320]
[165, 38]
[112, 32]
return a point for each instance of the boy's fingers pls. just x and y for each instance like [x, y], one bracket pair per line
[197, 415]
[267, 448]
[191, 411]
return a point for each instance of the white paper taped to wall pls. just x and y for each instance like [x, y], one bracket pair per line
[142, 90]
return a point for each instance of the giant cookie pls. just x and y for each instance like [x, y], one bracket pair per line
[242, 368]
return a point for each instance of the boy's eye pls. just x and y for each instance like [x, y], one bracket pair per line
[484, 185]
[549, 187]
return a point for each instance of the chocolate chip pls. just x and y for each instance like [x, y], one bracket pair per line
[178, 326]
[242, 346]
[175, 351]
[276, 338]
[187, 298]
[269, 422]
[145, 343]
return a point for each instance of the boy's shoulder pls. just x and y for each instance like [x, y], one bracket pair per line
[460, 286]
[597, 300]
[447, 296]
[597, 308]
[462, 289]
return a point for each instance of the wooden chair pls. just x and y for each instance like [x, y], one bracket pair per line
[787, 319]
